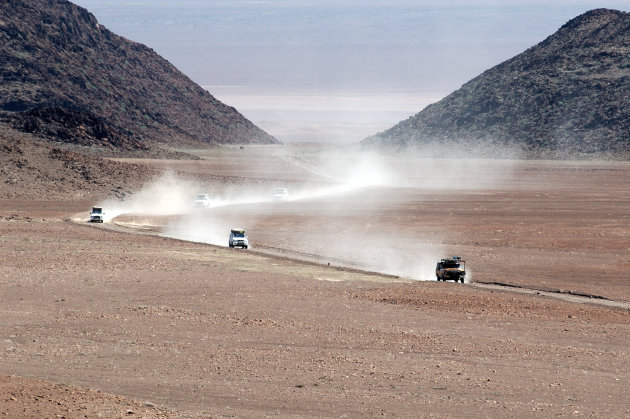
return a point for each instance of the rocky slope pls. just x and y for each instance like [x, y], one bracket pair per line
[34, 169]
[565, 97]
[69, 79]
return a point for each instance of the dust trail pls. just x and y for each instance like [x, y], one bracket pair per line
[168, 195]
[357, 214]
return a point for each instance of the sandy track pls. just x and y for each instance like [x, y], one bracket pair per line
[559, 294]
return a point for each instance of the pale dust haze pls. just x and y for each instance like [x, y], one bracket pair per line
[345, 214]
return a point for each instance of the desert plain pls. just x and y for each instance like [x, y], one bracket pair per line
[334, 310]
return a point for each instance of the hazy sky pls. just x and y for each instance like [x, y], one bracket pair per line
[335, 70]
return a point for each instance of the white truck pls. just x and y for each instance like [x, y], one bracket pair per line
[281, 194]
[202, 201]
[97, 215]
[238, 238]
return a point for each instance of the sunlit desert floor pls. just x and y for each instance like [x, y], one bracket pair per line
[334, 310]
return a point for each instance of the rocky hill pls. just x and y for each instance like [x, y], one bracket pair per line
[67, 78]
[568, 96]
[36, 169]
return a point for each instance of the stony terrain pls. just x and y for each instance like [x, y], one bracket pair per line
[324, 315]
[111, 320]
[31, 168]
[68, 79]
[564, 97]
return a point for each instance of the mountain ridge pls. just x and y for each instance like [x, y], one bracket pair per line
[564, 97]
[57, 61]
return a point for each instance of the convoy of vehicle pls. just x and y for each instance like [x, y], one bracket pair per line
[449, 269]
[453, 269]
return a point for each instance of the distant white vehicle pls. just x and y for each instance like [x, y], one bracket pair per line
[238, 238]
[97, 215]
[202, 201]
[281, 194]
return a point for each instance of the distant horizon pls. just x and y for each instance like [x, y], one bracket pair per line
[329, 71]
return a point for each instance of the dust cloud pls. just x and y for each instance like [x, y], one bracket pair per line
[168, 195]
[358, 210]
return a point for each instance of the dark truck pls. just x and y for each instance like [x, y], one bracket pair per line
[453, 269]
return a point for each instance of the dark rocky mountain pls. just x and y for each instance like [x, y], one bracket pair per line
[568, 96]
[65, 77]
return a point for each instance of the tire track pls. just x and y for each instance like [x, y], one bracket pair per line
[565, 295]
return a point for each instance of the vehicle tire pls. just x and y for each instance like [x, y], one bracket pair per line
[246, 247]
[231, 245]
